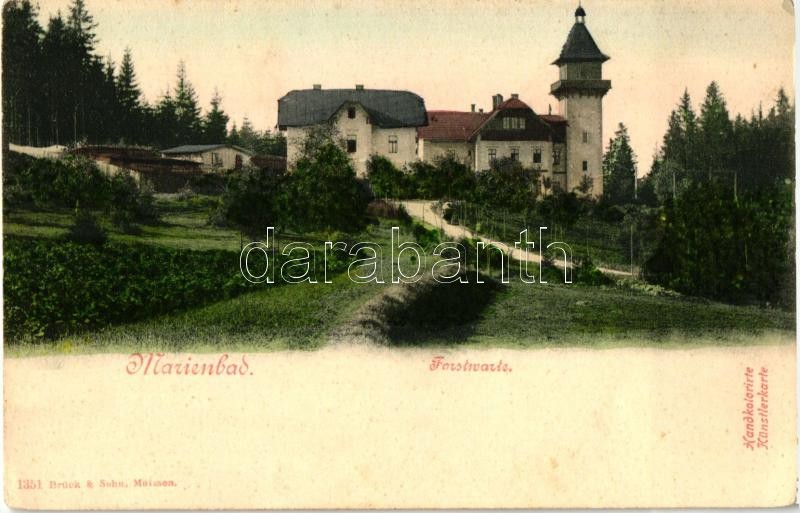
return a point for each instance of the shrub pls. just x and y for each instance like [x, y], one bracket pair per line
[385, 179]
[76, 182]
[53, 289]
[427, 239]
[86, 229]
[387, 210]
[324, 193]
[587, 274]
[253, 200]
[508, 185]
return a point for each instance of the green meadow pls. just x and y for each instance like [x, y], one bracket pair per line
[307, 316]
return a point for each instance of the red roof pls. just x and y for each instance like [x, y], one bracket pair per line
[552, 118]
[513, 103]
[448, 125]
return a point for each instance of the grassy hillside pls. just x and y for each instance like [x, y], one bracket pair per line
[307, 316]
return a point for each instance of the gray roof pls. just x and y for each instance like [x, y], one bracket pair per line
[580, 47]
[201, 148]
[387, 109]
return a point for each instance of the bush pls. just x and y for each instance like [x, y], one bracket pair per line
[52, 289]
[86, 230]
[587, 274]
[324, 193]
[253, 200]
[386, 210]
[66, 182]
[427, 239]
[508, 185]
[76, 182]
[385, 179]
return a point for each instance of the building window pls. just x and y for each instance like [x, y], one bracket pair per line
[556, 156]
[351, 112]
[492, 155]
[585, 136]
[392, 144]
[513, 123]
[585, 166]
[537, 156]
[351, 144]
[215, 159]
[515, 154]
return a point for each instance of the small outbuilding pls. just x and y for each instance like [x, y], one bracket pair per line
[211, 157]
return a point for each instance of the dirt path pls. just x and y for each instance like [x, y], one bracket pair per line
[422, 210]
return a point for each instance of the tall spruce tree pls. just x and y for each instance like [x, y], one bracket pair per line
[215, 126]
[716, 131]
[187, 111]
[22, 91]
[129, 97]
[619, 169]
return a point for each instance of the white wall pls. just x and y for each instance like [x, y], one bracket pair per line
[431, 150]
[370, 139]
[584, 113]
[228, 156]
[406, 144]
[526, 149]
[362, 130]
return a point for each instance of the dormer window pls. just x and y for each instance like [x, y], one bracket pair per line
[513, 123]
[351, 112]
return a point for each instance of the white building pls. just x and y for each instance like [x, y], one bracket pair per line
[212, 157]
[566, 147]
[511, 130]
[370, 121]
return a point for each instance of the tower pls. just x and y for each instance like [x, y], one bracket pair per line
[580, 90]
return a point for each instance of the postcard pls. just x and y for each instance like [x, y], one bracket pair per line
[348, 254]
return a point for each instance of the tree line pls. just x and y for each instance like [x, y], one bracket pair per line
[58, 90]
[717, 204]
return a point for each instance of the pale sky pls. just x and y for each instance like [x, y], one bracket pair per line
[454, 52]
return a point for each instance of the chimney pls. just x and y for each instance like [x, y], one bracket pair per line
[472, 108]
[515, 96]
[480, 110]
[497, 100]
[317, 87]
[549, 109]
[359, 87]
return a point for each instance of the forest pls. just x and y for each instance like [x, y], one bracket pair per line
[58, 90]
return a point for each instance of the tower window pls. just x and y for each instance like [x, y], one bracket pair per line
[351, 112]
[585, 166]
[392, 144]
[556, 156]
[585, 136]
[515, 154]
[537, 156]
[351, 144]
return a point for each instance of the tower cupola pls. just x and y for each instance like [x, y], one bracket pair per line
[580, 15]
